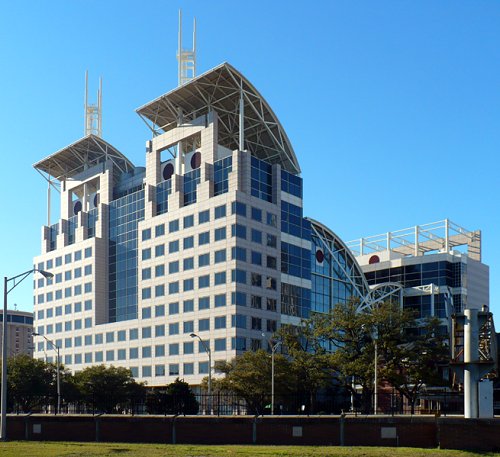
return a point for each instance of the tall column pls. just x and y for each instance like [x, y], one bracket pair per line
[471, 356]
[242, 121]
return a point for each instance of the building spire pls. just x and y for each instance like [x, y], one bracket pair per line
[93, 112]
[186, 57]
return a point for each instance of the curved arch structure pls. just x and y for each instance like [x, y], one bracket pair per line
[381, 292]
[338, 264]
[346, 270]
[245, 119]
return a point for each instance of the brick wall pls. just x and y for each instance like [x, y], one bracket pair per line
[416, 431]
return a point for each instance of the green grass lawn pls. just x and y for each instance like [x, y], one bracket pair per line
[51, 449]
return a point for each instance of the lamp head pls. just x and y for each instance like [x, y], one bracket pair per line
[46, 274]
[193, 335]
[35, 334]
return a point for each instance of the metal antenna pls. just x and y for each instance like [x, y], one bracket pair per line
[93, 112]
[186, 57]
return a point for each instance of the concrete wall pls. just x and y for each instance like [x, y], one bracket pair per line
[424, 432]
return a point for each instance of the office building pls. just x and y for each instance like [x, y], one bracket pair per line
[435, 268]
[208, 238]
[19, 332]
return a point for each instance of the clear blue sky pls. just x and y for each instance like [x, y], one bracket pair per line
[393, 107]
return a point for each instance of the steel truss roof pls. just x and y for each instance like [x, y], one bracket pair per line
[221, 89]
[81, 155]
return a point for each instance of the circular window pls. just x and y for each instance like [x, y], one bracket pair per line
[195, 160]
[77, 207]
[168, 171]
[320, 256]
[374, 259]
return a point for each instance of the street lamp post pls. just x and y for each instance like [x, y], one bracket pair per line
[58, 365]
[209, 352]
[375, 378]
[16, 280]
[273, 351]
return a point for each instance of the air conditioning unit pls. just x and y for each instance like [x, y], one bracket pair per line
[192, 161]
[167, 169]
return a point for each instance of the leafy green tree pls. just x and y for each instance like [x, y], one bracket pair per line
[415, 361]
[249, 376]
[30, 382]
[176, 398]
[410, 351]
[349, 335]
[310, 363]
[108, 389]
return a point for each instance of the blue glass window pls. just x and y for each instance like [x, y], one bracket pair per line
[239, 298]
[219, 344]
[203, 260]
[203, 238]
[173, 287]
[220, 278]
[204, 281]
[220, 211]
[220, 256]
[188, 263]
[261, 180]
[239, 231]
[188, 306]
[159, 270]
[124, 215]
[173, 226]
[173, 246]
[239, 276]
[238, 253]
[146, 234]
[160, 230]
[204, 216]
[163, 190]
[173, 308]
[220, 234]
[191, 181]
[220, 300]
[203, 303]
[222, 168]
[188, 284]
[256, 214]
[239, 208]
[203, 325]
[188, 242]
[291, 184]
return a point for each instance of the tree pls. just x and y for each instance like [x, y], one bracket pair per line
[249, 376]
[410, 351]
[30, 382]
[108, 389]
[416, 360]
[176, 398]
[349, 335]
[310, 363]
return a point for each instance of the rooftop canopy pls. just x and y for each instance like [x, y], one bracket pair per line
[220, 89]
[81, 155]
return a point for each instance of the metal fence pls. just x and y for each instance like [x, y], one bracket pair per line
[221, 403]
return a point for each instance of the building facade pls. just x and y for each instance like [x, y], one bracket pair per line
[208, 239]
[19, 332]
[435, 268]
